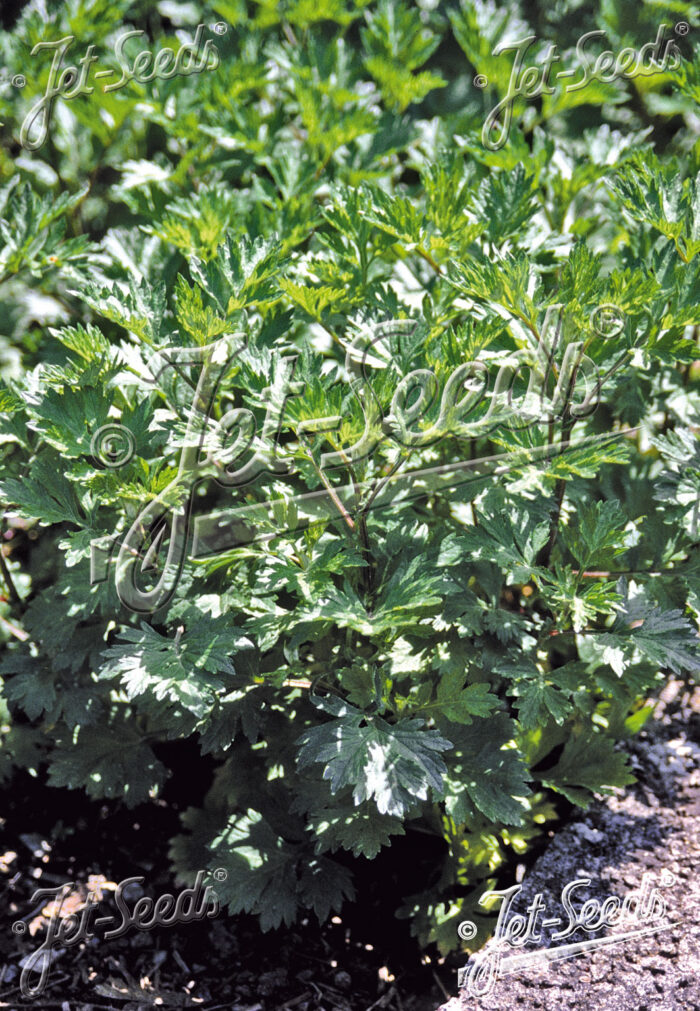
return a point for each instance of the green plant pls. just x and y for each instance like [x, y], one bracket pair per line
[430, 645]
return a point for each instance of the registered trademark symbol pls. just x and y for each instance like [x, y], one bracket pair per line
[480, 81]
[19, 81]
[220, 28]
[682, 28]
[19, 927]
[220, 874]
[466, 930]
[608, 320]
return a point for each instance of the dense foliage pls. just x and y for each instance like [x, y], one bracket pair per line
[405, 528]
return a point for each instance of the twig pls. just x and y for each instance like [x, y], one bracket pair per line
[295, 1000]
[47, 1003]
[383, 1000]
[228, 1006]
[439, 983]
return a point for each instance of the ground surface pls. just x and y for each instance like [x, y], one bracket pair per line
[368, 960]
[653, 828]
[50, 837]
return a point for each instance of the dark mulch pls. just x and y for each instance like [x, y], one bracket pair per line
[49, 837]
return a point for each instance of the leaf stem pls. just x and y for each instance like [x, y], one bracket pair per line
[594, 574]
[9, 583]
[428, 259]
[328, 486]
[18, 632]
[560, 489]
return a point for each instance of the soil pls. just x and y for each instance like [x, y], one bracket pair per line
[49, 837]
[365, 960]
[651, 828]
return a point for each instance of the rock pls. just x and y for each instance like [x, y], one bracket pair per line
[343, 980]
[268, 982]
[591, 835]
